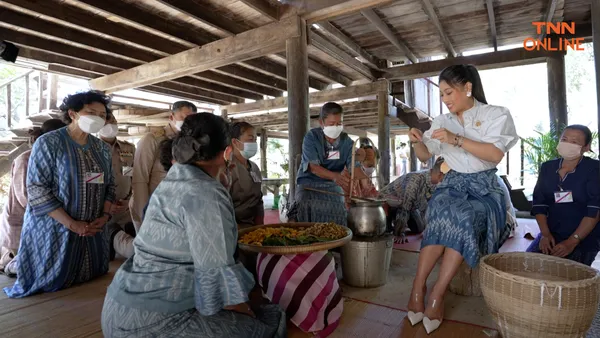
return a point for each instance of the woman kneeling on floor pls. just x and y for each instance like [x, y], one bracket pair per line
[183, 280]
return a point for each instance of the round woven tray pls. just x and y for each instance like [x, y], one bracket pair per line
[536, 295]
[292, 249]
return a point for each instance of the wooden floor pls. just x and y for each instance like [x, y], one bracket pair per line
[75, 312]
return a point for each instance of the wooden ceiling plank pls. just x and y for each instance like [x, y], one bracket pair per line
[274, 69]
[382, 27]
[255, 77]
[430, 10]
[328, 73]
[338, 94]
[264, 8]
[548, 17]
[500, 59]
[338, 54]
[319, 10]
[333, 33]
[264, 40]
[492, 22]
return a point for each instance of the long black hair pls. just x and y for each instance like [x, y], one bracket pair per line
[460, 75]
[202, 137]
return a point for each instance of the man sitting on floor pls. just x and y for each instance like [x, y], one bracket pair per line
[409, 194]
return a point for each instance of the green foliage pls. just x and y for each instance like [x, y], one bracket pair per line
[274, 146]
[542, 147]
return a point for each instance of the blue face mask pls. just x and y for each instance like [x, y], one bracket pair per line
[249, 150]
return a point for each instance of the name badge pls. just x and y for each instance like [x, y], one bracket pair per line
[333, 155]
[127, 171]
[256, 178]
[563, 197]
[94, 178]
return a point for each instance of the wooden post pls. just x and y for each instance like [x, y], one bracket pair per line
[53, 91]
[224, 113]
[27, 95]
[413, 159]
[264, 138]
[8, 105]
[297, 100]
[595, 14]
[41, 88]
[383, 135]
[557, 90]
[522, 162]
[394, 164]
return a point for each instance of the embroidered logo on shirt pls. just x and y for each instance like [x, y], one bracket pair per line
[477, 123]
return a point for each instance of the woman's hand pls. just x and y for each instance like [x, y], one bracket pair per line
[119, 207]
[100, 222]
[564, 248]
[547, 244]
[242, 308]
[415, 135]
[443, 135]
[83, 228]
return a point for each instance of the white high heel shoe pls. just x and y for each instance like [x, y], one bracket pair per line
[415, 318]
[432, 324]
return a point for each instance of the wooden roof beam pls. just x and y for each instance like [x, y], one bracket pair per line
[500, 59]
[382, 27]
[548, 17]
[339, 94]
[333, 33]
[264, 40]
[492, 21]
[319, 10]
[338, 54]
[430, 10]
[274, 69]
[263, 7]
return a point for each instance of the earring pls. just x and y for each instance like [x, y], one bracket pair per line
[469, 93]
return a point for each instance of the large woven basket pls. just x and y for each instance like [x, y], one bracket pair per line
[533, 295]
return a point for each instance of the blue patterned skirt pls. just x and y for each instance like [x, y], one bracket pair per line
[312, 206]
[467, 212]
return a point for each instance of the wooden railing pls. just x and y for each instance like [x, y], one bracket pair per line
[12, 105]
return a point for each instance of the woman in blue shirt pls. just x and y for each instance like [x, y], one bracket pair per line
[326, 152]
[566, 200]
[183, 280]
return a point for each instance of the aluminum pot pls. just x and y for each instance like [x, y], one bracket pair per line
[366, 218]
[366, 261]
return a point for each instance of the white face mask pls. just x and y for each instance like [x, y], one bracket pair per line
[369, 171]
[333, 131]
[109, 131]
[90, 124]
[250, 149]
[178, 125]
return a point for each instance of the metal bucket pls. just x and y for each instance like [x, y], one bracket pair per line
[366, 261]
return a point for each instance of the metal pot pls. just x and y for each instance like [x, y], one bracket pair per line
[366, 218]
[366, 261]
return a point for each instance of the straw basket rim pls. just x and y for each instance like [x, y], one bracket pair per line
[484, 266]
[292, 249]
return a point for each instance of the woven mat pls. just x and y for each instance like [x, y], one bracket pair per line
[594, 331]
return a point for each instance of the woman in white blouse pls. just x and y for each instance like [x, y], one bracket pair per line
[466, 217]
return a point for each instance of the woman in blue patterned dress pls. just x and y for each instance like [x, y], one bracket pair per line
[70, 192]
[182, 280]
[466, 216]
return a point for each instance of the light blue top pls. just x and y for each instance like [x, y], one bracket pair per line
[184, 251]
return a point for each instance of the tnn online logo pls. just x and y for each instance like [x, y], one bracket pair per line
[559, 42]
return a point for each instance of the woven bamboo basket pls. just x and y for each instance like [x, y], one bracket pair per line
[535, 295]
[292, 249]
[466, 281]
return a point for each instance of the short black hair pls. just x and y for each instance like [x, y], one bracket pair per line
[51, 125]
[437, 166]
[181, 104]
[239, 128]
[76, 102]
[330, 108]
[585, 130]
[165, 156]
[202, 137]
